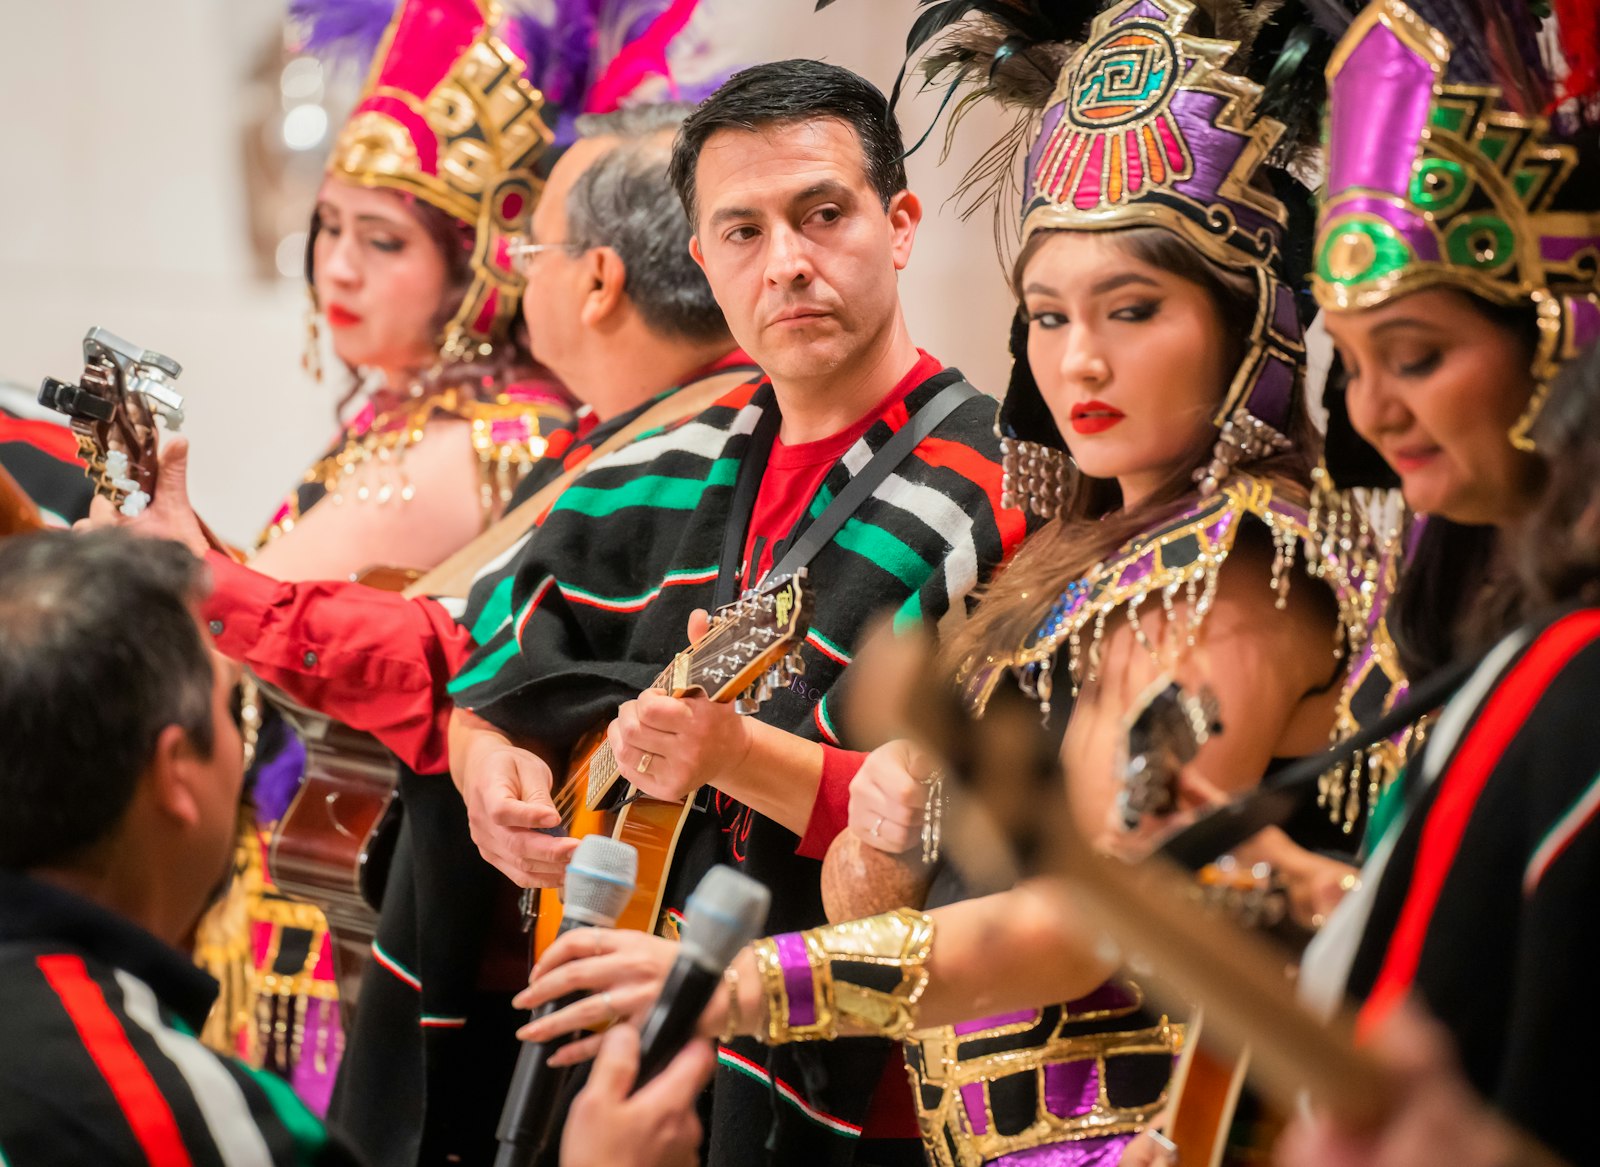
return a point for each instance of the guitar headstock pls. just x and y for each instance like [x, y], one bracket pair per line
[752, 646]
[1165, 729]
[115, 407]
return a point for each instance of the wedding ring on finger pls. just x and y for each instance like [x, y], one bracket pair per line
[611, 1010]
[875, 826]
[644, 762]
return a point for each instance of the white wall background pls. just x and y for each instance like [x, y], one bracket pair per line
[121, 204]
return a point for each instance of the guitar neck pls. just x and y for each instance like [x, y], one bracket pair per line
[603, 771]
[1201, 955]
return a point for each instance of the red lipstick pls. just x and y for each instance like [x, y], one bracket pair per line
[340, 317]
[1412, 458]
[1094, 417]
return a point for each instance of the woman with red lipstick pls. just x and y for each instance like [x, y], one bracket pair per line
[1458, 279]
[1154, 419]
[410, 264]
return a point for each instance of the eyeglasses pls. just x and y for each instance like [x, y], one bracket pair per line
[522, 253]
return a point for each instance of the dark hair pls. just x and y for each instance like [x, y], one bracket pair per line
[100, 652]
[1459, 590]
[783, 93]
[1558, 544]
[623, 201]
[1439, 607]
[1093, 522]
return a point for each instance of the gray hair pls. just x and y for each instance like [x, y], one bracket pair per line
[634, 122]
[625, 201]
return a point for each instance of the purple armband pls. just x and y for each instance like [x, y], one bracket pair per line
[797, 983]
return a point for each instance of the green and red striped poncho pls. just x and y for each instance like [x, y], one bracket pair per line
[601, 602]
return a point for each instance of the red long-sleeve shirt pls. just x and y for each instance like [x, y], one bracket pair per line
[379, 663]
[372, 659]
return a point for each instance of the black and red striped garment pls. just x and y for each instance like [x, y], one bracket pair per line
[99, 1062]
[1486, 908]
[39, 451]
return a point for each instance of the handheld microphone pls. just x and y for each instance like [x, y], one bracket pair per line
[599, 884]
[723, 914]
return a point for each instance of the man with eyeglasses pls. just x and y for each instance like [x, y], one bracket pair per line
[620, 313]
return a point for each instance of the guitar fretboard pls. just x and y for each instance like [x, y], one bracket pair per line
[603, 768]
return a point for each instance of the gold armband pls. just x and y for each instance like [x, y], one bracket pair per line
[859, 978]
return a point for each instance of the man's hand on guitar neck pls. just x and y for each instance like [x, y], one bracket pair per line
[169, 515]
[669, 747]
[507, 792]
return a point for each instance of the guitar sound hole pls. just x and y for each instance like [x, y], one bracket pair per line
[331, 801]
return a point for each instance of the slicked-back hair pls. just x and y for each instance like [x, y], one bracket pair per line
[784, 93]
[99, 653]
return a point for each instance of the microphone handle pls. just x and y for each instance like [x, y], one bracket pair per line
[676, 1016]
[528, 1118]
[532, 1100]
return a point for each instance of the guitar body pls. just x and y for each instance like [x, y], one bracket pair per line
[333, 845]
[1206, 1086]
[648, 825]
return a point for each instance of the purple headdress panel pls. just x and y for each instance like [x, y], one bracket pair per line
[1147, 128]
[1440, 185]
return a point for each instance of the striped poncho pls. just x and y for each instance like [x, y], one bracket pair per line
[602, 603]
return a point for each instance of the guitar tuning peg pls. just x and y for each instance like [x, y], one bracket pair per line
[746, 706]
[795, 663]
[763, 690]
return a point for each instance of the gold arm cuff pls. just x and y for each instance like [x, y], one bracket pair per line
[840, 957]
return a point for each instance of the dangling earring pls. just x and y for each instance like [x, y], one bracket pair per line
[1243, 438]
[311, 355]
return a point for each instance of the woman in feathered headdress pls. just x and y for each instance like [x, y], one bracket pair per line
[412, 271]
[1458, 264]
[1159, 345]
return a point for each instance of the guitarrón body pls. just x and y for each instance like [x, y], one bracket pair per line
[748, 651]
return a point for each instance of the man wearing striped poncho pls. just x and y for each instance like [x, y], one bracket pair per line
[795, 189]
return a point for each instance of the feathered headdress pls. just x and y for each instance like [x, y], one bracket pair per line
[584, 56]
[595, 56]
[445, 116]
[1151, 113]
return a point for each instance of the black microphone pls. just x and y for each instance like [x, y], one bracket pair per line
[723, 914]
[599, 885]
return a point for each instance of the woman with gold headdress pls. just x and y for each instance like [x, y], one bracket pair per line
[410, 267]
[1457, 260]
[1159, 345]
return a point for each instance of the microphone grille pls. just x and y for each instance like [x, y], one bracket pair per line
[600, 881]
[724, 913]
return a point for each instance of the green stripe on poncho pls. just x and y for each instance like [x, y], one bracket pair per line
[601, 603]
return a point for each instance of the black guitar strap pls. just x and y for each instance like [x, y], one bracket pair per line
[805, 541]
[1277, 799]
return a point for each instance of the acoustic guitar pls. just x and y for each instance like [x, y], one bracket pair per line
[1188, 952]
[333, 846]
[749, 650]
